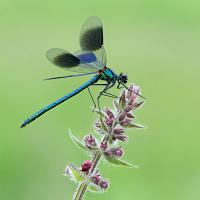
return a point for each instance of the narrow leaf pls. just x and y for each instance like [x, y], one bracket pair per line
[133, 126]
[137, 105]
[122, 100]
[116, 104]
[99, 113]
[119, 162]
[94, 188]
[103, 125]
[77, 142]
[75, 174]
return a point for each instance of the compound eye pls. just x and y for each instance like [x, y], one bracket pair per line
[125, 75]
[124, 78]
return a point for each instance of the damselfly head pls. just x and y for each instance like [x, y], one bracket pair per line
[123, 78]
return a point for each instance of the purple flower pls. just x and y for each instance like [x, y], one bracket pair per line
[108, 153]
[85, 167]
[125, 122]
[118, 134]
[104, 185]
[119, 152]
[114, 152]
[121, 137]
[127, 109]
[122, 117]
[129, 115]
[96, 178]
[109, 113]
[111, 125]
[97, 124]
[109, 121]
[131, 96]
[103, 146]
[130, 91]
[68, 171]
[90, 142]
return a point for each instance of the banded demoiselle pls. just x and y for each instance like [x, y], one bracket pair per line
[90, 60]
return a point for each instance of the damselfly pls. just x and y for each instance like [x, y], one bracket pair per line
[91, 59]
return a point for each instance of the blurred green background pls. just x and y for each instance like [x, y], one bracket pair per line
[156, 42]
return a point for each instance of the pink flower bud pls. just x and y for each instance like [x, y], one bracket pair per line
[131, 87]
[109, 113]
[118, 152]
[125, 122]
[114, 152]
[85, 167]
[103, 146]
[108, 153]
[68, 171]
[104, 185]
[132, 94]
[98, 124]
[118, 131]
[122, 117]
[90, 140]
[121, 137]
[129, 115]
[130, 102]
[127, 109]
[130, 91]
[128, 121]
[136, 90]
[109, 121]
[96, 178]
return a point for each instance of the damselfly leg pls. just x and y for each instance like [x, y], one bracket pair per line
[118, 86]
[103, 92]
[92, 99]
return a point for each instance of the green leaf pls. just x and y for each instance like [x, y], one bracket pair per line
[75, 174]
[100, 113]
[116, 161]
[137, 105]
[103, 125]
[77, 142]
[94, 188]
[133, 126]
[116, 104]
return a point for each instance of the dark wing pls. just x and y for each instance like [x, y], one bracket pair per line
[91, 38]
[81, 62]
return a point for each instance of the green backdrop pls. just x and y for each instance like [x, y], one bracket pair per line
[156, 42]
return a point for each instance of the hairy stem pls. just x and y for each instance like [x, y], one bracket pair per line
[95, 160]
[83, 186]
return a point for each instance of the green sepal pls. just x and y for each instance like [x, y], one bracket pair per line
[110, 140]
[103, 125]
[137, 105]
[77, 142]
[116, 161]
[116, 104]
[133, 126]
[75, 174]
[122, 100]
[94, 188]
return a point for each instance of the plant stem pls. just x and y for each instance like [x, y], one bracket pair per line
[83, 186]
[95, 160]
